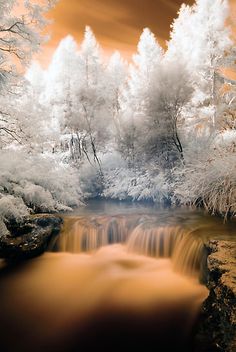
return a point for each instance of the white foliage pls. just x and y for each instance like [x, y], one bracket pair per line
[162, 130]
[210, 180]
[125, 184]
[42, 183]
[12, 208]
[21, 28]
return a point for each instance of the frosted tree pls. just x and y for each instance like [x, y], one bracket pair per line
[201, 40]
[116, 76]
[31, 118]
[20, 36]
[28, 121]
[9, 131]
[92, 118]
[36, 76]
[135, 98]
[20, 33]
[169, 91]
[157, 92]
[61, 93]
[145, 63]
[225, 98]
[82, 94]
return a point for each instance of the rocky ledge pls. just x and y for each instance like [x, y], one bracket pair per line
[218, 324]
[29, 239]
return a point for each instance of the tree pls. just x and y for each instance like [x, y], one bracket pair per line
[156, 94]
[20, 37]
[61, 93]
[145, 63]
[31, 119]
[136, 96]
[116, 72]
[79, 94]
[93, 119]
[169, 91]
[20, 33]
[201, 40]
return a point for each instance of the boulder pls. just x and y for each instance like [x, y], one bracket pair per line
[29, 239]
[218, 325]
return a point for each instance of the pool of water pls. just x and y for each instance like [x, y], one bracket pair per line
[196, 220]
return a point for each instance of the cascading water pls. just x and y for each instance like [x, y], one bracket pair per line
[139, 234]
[185, 250]
[84, 234]
[115, 280]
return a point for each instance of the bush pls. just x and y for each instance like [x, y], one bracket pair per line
[211, 181]
[36, 183]
[12, 208]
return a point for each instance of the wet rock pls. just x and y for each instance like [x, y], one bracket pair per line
[218, 326]
[29, 239]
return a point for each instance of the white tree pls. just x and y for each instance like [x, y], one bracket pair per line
[169, 91]
[145, 63]
[136, 96]
[20, 33]
[93, 119]
[31, 119]
[36, 76]
[116, 73]
[61, 90]
[201, 40]
[77, 93]
[20, 36]
[28, 182]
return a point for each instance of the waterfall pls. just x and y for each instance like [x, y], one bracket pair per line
[113, 280]
[143, 235]
[85, 234]
[185, 250]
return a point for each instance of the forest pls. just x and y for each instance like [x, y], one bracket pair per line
[117, 176]
[161, 128]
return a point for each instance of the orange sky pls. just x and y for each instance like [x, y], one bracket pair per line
[117, 24]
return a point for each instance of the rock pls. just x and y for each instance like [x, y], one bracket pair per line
[47, 220]
[218, 325]
[4, 232]
[29, 239]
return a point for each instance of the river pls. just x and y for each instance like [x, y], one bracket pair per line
[120, 277]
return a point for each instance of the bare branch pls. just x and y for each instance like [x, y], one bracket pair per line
[11, 133]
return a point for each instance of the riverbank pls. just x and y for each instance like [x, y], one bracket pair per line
[218, 325]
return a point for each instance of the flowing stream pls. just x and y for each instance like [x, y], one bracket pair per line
[120, 277]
